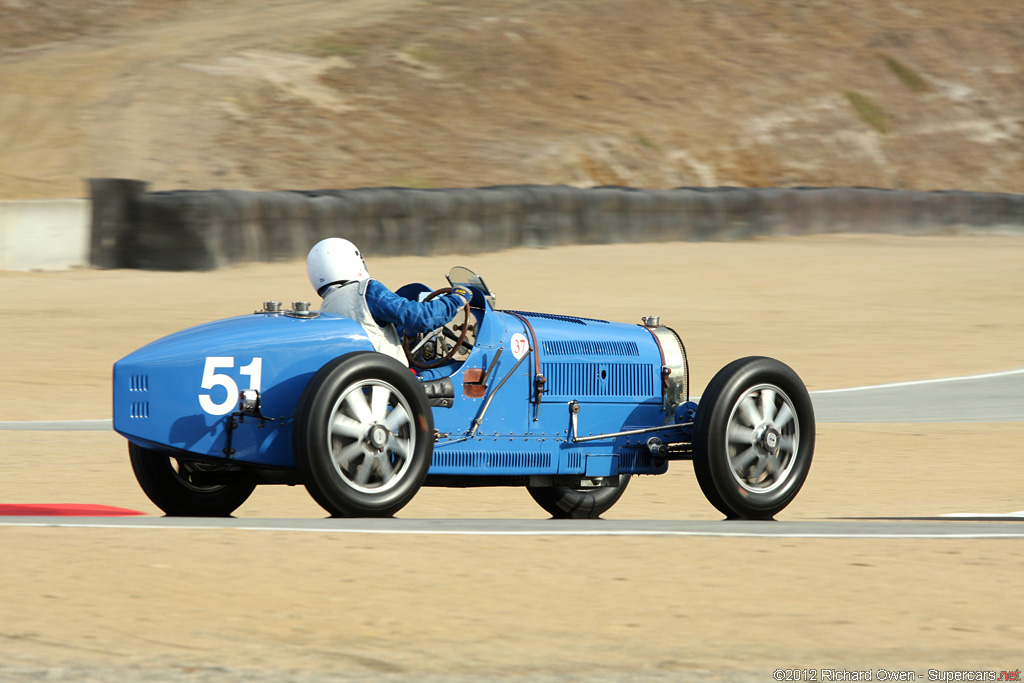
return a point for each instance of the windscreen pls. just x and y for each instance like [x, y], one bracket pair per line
[460, 275]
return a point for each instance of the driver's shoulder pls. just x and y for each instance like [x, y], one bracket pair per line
[372, 287]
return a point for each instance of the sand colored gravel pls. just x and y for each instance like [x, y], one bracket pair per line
[842, 310]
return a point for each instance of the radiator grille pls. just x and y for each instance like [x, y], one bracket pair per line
[140, 409]
[590, 348]
[503, 460]
[138, 383]
[598, 379]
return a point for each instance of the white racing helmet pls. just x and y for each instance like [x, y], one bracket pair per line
[334, 260]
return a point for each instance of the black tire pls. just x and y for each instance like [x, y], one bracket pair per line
[167, 482]
[707, 487]
[363, 436]
[562, 502]
[753, 438]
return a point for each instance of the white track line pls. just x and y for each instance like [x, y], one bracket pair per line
[987, 375]
[985, 515]
[536, 533]
[58, 425]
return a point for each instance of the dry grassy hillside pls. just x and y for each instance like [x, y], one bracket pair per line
[264, 94]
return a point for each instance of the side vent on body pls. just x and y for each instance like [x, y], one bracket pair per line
[563, 318]
[635, 460]
[498, 460]
[136, 384]
[590, 348]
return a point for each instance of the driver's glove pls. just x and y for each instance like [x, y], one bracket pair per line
[463, 294]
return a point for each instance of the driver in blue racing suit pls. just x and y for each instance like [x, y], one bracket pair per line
[338, 272]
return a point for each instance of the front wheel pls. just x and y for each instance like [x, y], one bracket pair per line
[363, 436]
[168, 483]
[753, 438]
[562, 502]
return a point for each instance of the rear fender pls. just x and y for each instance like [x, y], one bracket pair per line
[178, 393]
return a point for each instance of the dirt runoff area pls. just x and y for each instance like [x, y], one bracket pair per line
[112, 605]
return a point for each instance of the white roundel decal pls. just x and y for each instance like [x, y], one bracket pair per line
[519, 345]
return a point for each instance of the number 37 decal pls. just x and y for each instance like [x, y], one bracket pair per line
[212, 378]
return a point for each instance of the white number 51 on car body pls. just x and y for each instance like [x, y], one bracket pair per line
[212, 379]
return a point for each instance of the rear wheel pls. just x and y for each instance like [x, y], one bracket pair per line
[562, 502]
[363, 436]
[168, 481]
[753, 438]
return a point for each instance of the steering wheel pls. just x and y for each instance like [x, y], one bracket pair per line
[416, 349]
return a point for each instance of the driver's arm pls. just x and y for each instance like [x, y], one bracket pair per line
[413, 317]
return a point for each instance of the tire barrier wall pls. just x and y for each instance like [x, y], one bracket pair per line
[200, 230]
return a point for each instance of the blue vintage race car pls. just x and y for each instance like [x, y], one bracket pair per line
[571, 408]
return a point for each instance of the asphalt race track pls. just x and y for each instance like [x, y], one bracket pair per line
[934, 528]
[992, 397]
